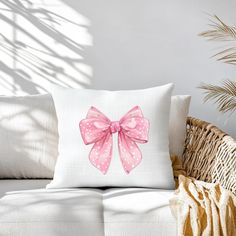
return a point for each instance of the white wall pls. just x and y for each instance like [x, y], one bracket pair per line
[113, 44]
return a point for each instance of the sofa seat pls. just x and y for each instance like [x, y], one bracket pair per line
[27, 208]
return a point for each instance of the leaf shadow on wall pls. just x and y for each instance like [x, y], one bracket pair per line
[43, 47]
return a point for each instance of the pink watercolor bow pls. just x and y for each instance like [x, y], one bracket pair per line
[98, 129]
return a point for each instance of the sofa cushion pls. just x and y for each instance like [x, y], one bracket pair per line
[129, 134]
[27, 209]
[64, 212]
[177, 124]
[12, 185]
[135, 211]
[28, 137]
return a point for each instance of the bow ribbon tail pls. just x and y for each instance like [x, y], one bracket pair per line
[101, 153]
[130, 155]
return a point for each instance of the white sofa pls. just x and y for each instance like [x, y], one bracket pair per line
[27, 158]
[28, 155]
[27, 208]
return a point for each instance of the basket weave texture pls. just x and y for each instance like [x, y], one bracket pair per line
[210, 154]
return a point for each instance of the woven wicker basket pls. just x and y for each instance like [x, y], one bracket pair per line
[210, 154]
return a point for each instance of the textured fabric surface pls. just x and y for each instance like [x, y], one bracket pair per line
[27, 209]
[8, 185]
[73, 168]
[202, 208]
[177, 126]
[75, 212]
[28, 137]
[138, 212]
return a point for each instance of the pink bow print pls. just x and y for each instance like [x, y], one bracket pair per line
[98, 129]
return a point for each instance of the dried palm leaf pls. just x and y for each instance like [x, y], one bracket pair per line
[224, 96]
[222, 32]
[227, 56]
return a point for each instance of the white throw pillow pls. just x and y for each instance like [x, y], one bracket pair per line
[177, 127]
[28, 137]
[144, 107]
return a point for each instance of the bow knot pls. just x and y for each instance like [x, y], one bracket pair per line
[98, 129]
[115, 126]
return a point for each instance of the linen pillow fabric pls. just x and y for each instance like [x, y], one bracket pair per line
[177, 126]
[96, 109]
[28, 137]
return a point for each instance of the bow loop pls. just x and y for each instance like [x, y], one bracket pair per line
[136, 128]
[98, 129]
[94, 127]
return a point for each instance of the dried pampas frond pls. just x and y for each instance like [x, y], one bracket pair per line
[224, 95]
[222, 32]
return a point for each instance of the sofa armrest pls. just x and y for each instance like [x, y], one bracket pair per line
[210, 154]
